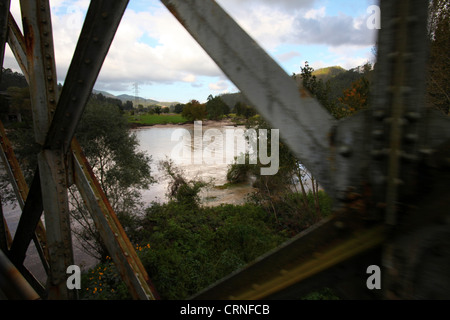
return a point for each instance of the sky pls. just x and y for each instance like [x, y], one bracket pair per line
[152, 49]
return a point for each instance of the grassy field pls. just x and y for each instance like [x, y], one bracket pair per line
[152, 119]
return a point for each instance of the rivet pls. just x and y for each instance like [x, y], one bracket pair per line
[87, 61]
[104, 15]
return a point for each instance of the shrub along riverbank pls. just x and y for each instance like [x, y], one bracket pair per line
[186, 247]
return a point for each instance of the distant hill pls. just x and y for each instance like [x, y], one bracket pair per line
[145, 102]
[328, 73]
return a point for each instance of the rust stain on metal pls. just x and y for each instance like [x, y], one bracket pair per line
[115, 226]
[29, 38]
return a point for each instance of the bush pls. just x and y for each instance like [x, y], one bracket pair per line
[194, 247]
[103, 283]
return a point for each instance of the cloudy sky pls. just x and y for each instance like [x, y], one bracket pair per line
[152, 49]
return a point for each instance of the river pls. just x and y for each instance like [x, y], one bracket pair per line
[184, 145]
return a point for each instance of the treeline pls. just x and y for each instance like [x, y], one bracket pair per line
[215, 108]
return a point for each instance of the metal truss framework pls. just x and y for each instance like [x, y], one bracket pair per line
[385, 168]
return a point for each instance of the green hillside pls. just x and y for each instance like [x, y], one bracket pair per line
[328, 73]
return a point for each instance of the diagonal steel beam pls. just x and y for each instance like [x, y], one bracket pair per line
[116, 241]
[100, 26]
[16, 42]
[5, 235]
[30, 226]
[4, 11]
[316, 250]
[303, 122]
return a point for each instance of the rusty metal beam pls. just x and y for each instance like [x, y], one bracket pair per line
[38, 36]
[29, 202]
[110, 229]
[314, 251]
[5, 235]
[12, 283]
[100, 26]
[13, 169]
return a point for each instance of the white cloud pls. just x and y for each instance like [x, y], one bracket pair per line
[284, 57]
[220, 86]
[315, 13]
[189, 78]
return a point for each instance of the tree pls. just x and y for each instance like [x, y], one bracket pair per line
[241, 109]
[216, 108]
[121, 169]
[128, 105]
[357, 97]
[157, 110]
[178, 108]
[194, 110]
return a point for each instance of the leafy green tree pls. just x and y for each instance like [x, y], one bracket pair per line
[244, 110]
[128, 105]
[10, 78]
[157, 110]
[194, 110]
[178, 108]
[122, 170]
[20, 102]
[216, 108]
